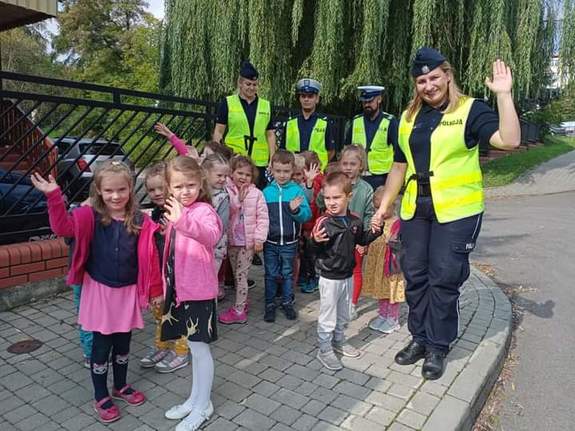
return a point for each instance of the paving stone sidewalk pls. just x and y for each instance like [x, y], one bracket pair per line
[554, 176]
[267, 377]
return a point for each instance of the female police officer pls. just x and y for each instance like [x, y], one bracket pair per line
[437, 158]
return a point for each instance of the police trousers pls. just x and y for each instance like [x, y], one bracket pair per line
[435, 263]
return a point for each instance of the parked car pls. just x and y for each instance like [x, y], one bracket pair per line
[567, 128]
[24, 208]
[78, 158]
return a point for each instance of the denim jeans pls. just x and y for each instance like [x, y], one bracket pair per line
[278, 264]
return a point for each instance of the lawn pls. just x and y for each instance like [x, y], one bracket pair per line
[505, 170]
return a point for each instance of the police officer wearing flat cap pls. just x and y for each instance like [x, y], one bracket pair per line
[244, 123]
[437, 160]
[308, 131]
[376, 131]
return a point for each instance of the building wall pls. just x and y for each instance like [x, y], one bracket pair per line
[48, 7]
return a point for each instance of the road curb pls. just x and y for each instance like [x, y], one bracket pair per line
[27, 293]
[466, 396]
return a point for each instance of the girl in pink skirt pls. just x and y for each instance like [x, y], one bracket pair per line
[116, 261]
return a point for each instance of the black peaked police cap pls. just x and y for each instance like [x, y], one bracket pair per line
[426, 59]
[248, 71]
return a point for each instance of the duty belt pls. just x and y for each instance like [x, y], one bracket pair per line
[422, 179]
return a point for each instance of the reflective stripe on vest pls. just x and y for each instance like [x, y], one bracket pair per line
[380, 155]
[456, 183]
[316, 140]
[238, 133]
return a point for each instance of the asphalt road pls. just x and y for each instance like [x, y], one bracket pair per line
[530, 242]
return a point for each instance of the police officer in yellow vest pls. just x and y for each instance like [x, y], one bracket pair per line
[244, 122]
[437, 160]
[376, 131]
[309, 131]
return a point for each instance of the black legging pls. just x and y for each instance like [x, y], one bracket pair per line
[119, 345]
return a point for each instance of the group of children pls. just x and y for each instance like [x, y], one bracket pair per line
[313, 227]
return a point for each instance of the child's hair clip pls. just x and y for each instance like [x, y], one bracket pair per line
[116, 163]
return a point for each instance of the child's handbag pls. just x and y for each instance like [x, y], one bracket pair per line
[391, 259]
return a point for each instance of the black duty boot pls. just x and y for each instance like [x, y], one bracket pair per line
[434, 365]
[410, 354]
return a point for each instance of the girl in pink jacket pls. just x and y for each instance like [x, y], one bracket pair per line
[191, 282]
[247, 231]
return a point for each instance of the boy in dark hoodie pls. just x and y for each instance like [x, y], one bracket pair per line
[335, 236]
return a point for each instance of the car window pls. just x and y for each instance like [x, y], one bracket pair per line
[63, 146]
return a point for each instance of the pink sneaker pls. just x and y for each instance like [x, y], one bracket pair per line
[231, 316]
[130, 395]
[111, 414]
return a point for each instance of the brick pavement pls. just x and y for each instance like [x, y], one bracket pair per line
[267, 377]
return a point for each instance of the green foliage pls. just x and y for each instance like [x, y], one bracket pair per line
[528, 25]
[560, 109]
[110, 42]
[24, 49]
[369, 57]
[489, 40]
[567, 50]
[345, 43]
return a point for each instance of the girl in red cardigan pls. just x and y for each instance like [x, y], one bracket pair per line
[116, 261]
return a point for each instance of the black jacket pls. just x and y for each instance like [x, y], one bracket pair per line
[335, 258]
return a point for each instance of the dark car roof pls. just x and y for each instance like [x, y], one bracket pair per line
[70, 139]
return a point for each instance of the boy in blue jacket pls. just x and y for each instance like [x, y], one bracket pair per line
[288, 209]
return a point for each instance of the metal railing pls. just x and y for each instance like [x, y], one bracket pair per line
[530, 134]
[66, 128]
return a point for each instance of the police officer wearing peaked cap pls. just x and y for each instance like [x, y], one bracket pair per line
[309, 131]
[437, 160]
[376, 131]
[244, 123]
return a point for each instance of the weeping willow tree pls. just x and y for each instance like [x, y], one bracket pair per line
[567, 51]
[345, 43]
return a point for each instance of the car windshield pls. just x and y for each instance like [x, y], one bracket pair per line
[102, 149]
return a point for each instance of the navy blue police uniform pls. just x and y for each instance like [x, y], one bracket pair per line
[435, 256]
[371, 126]
[306, 125]
[248, 71]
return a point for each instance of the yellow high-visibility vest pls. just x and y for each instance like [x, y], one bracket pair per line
[238, 133]
[380, 155]
[455, 175]
[316, 140]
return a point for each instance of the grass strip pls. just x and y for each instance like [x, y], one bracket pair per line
[505, 170]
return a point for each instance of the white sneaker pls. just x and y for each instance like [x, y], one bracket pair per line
[172, 362]
[195, 419]
[346, 349]
[152, 358]
[329, 360]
